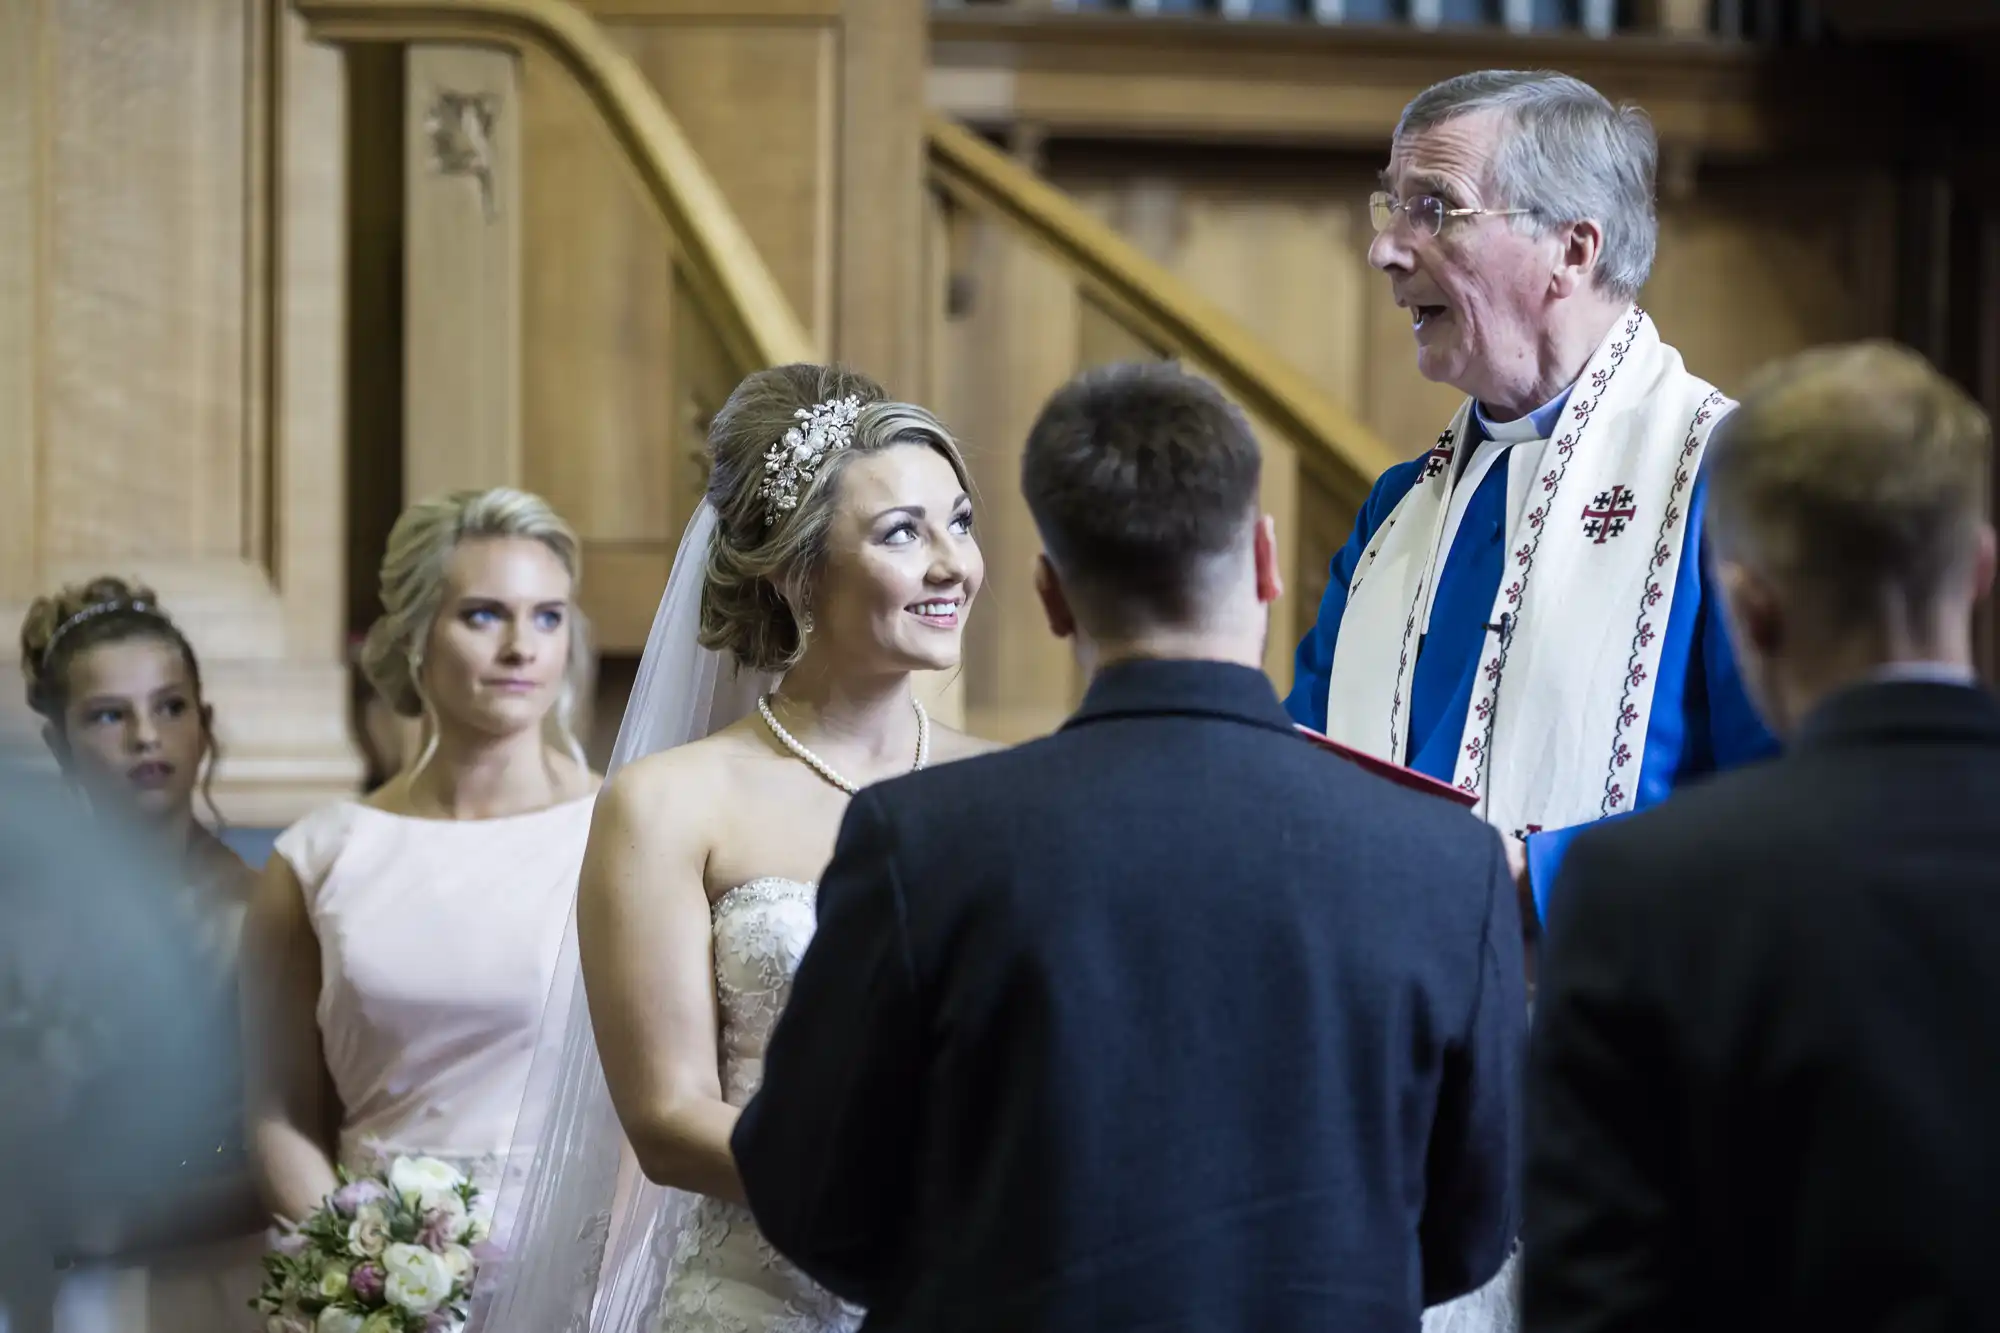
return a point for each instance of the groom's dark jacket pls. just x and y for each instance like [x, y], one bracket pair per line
[1168, 1021]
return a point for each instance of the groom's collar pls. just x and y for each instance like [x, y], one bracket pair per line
[1156, 686]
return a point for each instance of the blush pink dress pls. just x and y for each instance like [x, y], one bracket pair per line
[438, 943]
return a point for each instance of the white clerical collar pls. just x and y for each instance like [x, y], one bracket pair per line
[1510, 432]
[1539, 424]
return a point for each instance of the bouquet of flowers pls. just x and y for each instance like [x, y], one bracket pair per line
[385, 1254]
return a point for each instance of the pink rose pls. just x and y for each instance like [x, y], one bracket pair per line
[347, 1200]
[367, 1282]
[439, 1229]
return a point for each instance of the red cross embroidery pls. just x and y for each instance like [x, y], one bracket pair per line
[1439, 458]
[1606, 515]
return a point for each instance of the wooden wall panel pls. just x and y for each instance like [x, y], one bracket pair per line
[148, 289]
[373, 393]
[462, 270]
[1753, 267]
[805, 111]
[306, 205]
[1022, 335]
[1342, 86]
[621, 373]
[884, 51]
[22, 234]
[777, 165]
[599, 387]
[704, 379]
[171, 328]
[845, 254]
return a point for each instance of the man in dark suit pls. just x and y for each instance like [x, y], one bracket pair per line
[1764, 1090]
[1168, 1021]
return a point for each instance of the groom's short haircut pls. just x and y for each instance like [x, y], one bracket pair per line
[1141, 478]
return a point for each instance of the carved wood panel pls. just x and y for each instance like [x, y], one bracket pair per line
[170, 328]
[148, 428]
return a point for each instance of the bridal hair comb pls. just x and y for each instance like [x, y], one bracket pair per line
[824, 429]
[137, 607]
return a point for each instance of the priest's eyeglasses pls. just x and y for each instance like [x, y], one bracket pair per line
[1426, 212]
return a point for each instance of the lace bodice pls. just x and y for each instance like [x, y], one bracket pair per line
[726, 1277]
[762, 929]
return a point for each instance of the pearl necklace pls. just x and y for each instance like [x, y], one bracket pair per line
[824, 769]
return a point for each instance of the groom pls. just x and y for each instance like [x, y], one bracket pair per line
[1171, 1020]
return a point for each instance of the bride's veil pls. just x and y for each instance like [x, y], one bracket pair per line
[584, 1241]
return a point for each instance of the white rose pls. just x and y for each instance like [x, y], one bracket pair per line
[418, 1280]
[368, 1233]
[382, 1321]
[333, 1282]
[478, 1231]
[431, 1181]
[457, 1262]
[338, 1319]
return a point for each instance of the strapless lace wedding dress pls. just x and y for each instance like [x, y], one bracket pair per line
[725, 1277]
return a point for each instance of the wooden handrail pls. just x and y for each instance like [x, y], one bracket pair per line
[1160, 308]
[755, 323]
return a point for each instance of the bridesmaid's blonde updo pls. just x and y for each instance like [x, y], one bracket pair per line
[413, 574]
[760, 575]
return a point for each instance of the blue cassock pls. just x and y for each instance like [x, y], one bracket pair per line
[1702, 719]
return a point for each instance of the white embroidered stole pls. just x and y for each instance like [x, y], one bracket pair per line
[1596, 519]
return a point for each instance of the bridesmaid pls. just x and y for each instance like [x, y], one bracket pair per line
[400, 948]
[119, 692]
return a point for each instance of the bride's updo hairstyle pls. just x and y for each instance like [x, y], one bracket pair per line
[761, 573]
[413, 586]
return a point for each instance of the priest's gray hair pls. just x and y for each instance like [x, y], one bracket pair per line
[1568, 155]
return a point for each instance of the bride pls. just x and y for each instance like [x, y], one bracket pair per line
[834, 550]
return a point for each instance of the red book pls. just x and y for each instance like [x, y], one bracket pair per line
[1396, 773]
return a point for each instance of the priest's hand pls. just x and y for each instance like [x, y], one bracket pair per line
[1524, 892]
[1517, 865]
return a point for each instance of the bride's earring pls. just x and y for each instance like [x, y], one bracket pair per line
[806, 623]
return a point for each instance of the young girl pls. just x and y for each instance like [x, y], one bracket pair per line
[118, 689]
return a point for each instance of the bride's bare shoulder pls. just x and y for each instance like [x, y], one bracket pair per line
[698, 774]
[949, 743]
